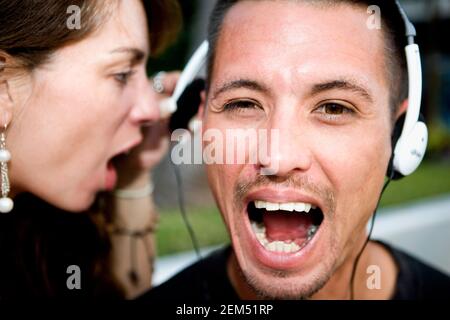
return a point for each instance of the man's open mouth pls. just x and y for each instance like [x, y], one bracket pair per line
[284, 227]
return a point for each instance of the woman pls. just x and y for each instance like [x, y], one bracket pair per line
[78, 118]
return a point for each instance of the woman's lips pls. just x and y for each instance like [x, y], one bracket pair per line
[111, 177]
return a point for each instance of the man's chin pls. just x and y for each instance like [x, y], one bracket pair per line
[276, 285]
[285, 276]
[284, 269]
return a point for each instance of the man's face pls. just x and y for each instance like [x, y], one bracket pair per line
[317, 75]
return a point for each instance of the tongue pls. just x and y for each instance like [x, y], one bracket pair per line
[283, 226]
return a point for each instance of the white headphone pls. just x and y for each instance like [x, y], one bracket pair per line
[410, 147]
[193, 67]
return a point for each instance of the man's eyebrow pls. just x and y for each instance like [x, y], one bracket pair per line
[137, 54]
[238, 84]
[342, 84]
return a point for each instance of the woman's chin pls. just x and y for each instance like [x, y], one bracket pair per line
[75, 204]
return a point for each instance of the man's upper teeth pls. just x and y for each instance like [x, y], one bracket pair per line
[286, 206]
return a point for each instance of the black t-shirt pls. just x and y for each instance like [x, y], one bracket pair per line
[207, 281]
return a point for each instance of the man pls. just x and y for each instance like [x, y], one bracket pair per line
[332, 87]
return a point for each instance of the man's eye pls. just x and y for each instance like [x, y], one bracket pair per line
[123, 77]
[242, 104]
[334, 110]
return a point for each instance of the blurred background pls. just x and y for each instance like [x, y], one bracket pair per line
[415, 212]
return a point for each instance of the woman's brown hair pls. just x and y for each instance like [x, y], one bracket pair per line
[163, 31]
[31, 30]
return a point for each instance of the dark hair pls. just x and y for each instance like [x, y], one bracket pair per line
[38, 242]
[164, 18]
[394, 32]
[31, 30]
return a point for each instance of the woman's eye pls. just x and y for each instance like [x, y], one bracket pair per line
[239, 105]
[123, 77]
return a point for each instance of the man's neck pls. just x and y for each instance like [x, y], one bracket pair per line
[376, 261]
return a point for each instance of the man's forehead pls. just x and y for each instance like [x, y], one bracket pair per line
[276, 40]
[291, 20]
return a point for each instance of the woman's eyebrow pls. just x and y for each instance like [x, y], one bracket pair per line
[138, 55]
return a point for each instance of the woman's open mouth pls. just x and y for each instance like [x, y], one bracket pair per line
[284, 227]
[114, 163]
[111, 177]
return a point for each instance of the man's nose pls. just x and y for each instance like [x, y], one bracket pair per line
[146, 108]
[289, 149]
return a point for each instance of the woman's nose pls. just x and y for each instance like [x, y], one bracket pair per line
[146, 108]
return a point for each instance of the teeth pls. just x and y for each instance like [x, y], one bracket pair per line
[260, 236]
[281, 246]
[272, 206]
[294, 247]
[287, 206]
[260, 204]
[258, 228]
[287, 246]
[299, 207]
[272, 246]
[311, 231]
[307, 207]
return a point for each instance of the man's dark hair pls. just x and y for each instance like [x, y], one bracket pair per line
[394, 34]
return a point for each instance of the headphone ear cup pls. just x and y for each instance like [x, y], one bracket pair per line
[398, 127]
[415, 145]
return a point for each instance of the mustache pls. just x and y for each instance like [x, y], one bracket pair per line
[295, 181]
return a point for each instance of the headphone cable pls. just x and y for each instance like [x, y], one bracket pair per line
[181, 205]
[194, 240]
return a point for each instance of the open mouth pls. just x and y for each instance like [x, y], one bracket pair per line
[284, 227]
[120, 157]
[111, 171]
[117, 159]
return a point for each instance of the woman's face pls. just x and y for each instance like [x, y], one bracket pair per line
[82, 109]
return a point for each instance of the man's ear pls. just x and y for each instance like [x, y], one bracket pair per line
[402, 109]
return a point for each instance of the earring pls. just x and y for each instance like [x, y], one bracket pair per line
[6, 204]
